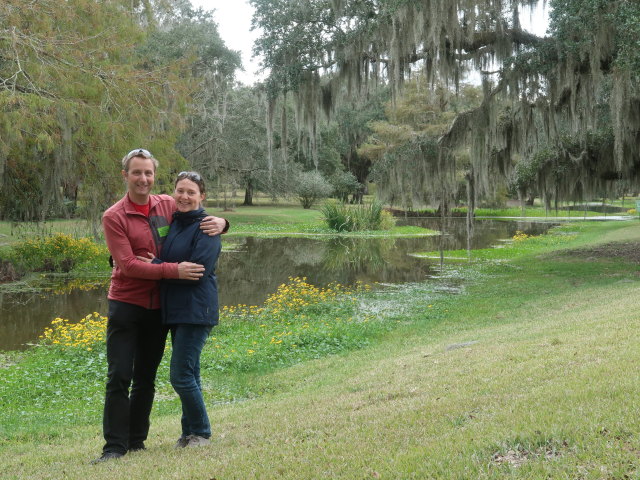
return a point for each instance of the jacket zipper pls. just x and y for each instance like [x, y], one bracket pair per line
[154, 236]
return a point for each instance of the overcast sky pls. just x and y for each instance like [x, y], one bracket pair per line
[234, 24]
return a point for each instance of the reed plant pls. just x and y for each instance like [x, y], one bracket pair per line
[342, 217]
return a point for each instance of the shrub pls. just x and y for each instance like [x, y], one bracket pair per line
[352, 218]
[56, 253]
[387, 220]
[344, 184]
[7, 271]
[310, 187]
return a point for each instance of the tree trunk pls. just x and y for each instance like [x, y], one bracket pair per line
[248, 194]
[471, 206]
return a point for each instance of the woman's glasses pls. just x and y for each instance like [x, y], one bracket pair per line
[194, 176]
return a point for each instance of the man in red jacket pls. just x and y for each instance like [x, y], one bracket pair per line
[133, 226]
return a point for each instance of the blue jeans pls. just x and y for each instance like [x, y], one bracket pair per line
[187, 342]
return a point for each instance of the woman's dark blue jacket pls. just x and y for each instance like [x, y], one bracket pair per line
[192, 302]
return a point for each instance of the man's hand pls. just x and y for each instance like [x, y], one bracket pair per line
[213, 226]
[189, 271]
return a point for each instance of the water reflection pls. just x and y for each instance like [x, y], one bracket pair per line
[255, 267]
[23, 316]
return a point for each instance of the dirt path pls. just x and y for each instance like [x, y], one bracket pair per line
[629, 251]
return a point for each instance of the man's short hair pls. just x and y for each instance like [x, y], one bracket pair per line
[138, 152]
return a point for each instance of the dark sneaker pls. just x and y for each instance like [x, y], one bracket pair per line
[197, 441]
[181, 443]
[107, 456]
[137, 447]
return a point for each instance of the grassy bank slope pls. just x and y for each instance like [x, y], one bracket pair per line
[531, 372]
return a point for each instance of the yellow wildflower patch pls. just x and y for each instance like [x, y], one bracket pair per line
[520, 236]
[86, 333]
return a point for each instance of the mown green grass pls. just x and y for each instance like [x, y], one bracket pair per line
[286, 214]
[247, 219]
[263, 220]
[529, 372]
[270, 221]
[533, 212]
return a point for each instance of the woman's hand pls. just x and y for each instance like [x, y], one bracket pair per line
[148, 259]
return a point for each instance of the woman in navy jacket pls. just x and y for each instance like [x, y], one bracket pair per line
[190, 307]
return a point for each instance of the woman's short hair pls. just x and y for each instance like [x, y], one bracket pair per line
[195, 177]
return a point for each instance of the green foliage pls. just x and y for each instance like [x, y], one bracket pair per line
[298, 322]
[409, 164]
[621, 18]
[344, 184]
[338, 217]
[75, 96]
[627, 20]
[352, 218]
[226, 140]
[192, 36]
[291, 42]
[555, 171]
[353, 119]
[311, 187]
[57, 253]
[564, 81]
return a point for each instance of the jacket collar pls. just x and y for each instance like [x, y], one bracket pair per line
[128, 204]
[190, 217]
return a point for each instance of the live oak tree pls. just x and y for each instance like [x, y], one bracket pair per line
[576, 86]
[410, 168]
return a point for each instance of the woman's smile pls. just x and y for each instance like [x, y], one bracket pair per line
[187, 195]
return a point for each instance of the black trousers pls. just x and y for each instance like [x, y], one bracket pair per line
[135, 344]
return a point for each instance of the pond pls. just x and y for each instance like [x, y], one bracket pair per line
[252, 268]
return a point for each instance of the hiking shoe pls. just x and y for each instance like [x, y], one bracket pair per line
[182, 442]
[197, 441]
[107, 456]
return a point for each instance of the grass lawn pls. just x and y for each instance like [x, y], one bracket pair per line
[263, 220]
[286, 214]
[530, 372]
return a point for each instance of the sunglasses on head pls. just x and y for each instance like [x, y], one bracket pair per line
[138, 152]
[190, 175]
